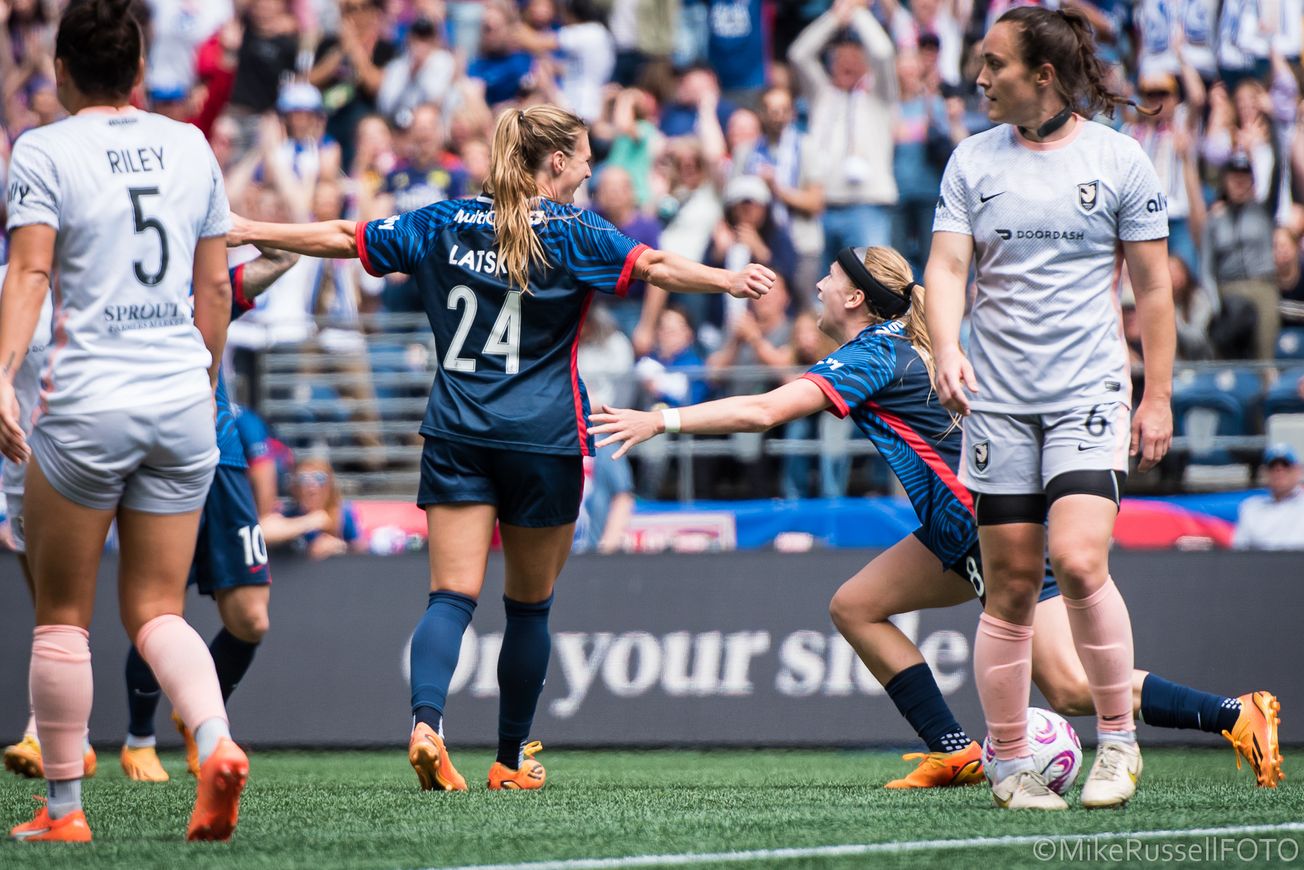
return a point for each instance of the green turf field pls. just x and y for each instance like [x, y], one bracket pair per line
[363, 809]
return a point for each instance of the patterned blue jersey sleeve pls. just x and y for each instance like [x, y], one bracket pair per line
[254, 436]
[600, 256]
[239, 302]
[853, 373]
[395, 244]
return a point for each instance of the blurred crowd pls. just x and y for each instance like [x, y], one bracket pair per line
[728, 131]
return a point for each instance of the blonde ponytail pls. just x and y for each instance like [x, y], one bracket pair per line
[523, 141]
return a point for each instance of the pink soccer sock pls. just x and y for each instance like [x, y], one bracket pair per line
[1002, 666]
[1102, 633]
[183, 667]
[62, 690]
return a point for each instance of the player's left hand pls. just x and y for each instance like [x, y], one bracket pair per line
[240, 231]
[624, 424]
[13, 443]
[1152, 432]
[752, 282]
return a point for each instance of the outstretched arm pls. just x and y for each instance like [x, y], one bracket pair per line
[329, 239]
[681, 275]
[262, 272]
[721, 417]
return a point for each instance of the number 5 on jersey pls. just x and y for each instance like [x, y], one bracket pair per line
[504, 339]
[152, 223]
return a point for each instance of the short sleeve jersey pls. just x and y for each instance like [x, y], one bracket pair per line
[229, 444]
[130, 194]
[27, 387]
[881, 382]
[1046, 221]
[507, 373]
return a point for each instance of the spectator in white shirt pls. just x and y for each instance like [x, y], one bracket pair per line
[422, 74]
[1274, 521]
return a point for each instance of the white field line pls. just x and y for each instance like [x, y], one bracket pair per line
[890, 848]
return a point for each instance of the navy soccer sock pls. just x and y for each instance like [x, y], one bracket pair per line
[143, 694]
[1170, 705]
[232, 657]
[522, 667]
[915, 693]
[435, 646]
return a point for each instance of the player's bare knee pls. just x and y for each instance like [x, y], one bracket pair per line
[848, 609]
[248, 624]
[1080, 572]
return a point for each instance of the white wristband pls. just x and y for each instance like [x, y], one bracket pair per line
[670, 419]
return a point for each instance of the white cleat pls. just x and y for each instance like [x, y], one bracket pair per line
[1026, 790]
[1113, 777]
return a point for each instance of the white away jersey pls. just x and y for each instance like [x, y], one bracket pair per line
[27, 386]
[1046, 222]
[130, 194]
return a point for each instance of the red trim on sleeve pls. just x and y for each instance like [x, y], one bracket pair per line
[360, 236]
[840, 407]
[581, 424]
[627, 273]
[926, 453]
[244, 303]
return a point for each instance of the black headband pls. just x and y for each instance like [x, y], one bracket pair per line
[882, 301]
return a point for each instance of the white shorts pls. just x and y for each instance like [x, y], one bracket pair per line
[159, 459]
[1018, 454]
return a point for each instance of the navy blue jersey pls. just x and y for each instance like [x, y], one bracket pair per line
[507, 376]
[881, 381]
[228, 439]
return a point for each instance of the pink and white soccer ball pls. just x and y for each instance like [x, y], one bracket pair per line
[1056, 749]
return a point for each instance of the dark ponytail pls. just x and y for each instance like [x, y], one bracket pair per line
[1064, 40]
[101, 44]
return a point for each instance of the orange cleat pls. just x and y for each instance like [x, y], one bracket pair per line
[217, 800]
[943, 769]
[24, 758]
[142, 765]
[90, 763]
[429, 758]
[192, 751]
[72, 828]
[1254, 736]
[529, 775]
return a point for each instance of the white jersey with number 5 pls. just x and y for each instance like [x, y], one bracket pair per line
[130, 194]
[1046, 221]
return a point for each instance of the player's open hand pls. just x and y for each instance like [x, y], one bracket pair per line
[624, 424]
[752, 282]
[954, 376]
[1152, 432]
[13, 443]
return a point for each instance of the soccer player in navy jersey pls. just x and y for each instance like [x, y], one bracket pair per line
[230, 564]
[881, 378]
[505, 279]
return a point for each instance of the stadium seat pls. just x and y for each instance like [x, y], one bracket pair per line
[1283, 397]
[1211, 403]
[1290, 343]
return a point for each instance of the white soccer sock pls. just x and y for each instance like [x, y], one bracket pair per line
[63, 797]
[134, 742]
[1126, 737]
[1003, 769]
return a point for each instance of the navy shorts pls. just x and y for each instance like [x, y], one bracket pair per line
[971, 569]
[231, 550]
[534, 490]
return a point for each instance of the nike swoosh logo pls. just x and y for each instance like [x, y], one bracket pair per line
[1082, 447]
[982, 198]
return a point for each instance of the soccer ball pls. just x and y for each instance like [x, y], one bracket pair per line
[1056, 749]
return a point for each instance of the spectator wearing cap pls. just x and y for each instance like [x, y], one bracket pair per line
[1168, 137]
[748, 233]
[422, 74]
[852, 103]
[1275, 520]
[348, 68]
[1237, 251]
